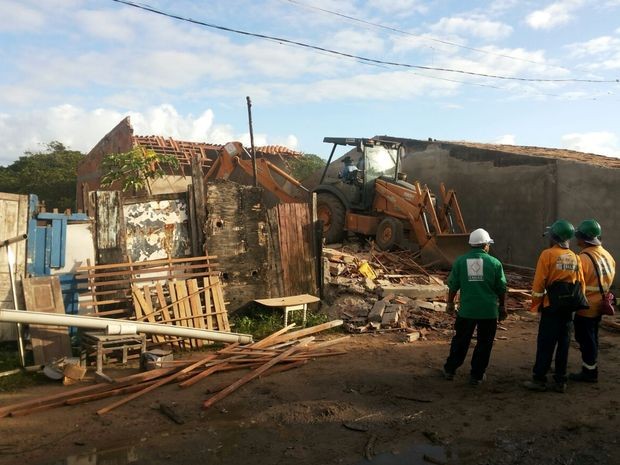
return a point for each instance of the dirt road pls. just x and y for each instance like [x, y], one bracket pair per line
[384, 400]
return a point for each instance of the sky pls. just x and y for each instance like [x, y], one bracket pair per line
[537, 73]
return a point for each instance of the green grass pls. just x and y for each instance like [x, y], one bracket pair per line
[261, 322]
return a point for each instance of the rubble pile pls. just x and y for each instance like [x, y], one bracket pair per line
[389, 291]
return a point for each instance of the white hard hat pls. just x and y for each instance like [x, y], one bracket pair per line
[480, 237]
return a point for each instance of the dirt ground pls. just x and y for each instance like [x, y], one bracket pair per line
[384, 400]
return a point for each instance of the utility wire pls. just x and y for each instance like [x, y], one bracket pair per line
[352, 56]
[432, 39]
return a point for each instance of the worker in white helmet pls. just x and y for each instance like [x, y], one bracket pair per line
[480, 279]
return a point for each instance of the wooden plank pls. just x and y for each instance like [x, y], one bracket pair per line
[175, 309]
[147, 279]
[254, 374]
[147, 263]
[181, 291]
[49, 343]
[164, 312]
[196, 304]
[307, 331]
[148, 309]
[220, 307]
[159, 383]
[208, 303]
[137, 268]
[63, 395]
[266, 341]
[187, 303]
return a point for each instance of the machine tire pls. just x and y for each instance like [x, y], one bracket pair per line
[389, 233]
[331, 211]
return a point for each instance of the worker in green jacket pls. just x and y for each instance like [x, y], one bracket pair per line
[480, 279]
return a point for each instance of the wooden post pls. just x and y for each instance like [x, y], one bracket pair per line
[198, 201]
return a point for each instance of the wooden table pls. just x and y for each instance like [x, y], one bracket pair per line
[290, 304]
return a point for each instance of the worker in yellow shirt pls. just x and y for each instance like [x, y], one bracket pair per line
[557, 265]
[596, 262]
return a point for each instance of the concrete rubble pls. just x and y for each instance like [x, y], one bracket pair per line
[389, 291]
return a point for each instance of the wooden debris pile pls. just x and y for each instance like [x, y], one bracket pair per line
[370, 269]
[376, 301]
[281, 351]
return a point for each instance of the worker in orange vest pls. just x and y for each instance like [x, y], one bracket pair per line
[595, 261]
[556, 264]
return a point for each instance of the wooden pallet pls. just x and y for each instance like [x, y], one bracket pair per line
[107, 289]
[190, 303]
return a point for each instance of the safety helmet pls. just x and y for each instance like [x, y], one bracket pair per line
[561, 231]
[589, 231]
[480, 237]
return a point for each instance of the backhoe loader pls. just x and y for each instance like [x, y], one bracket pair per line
[373, 198]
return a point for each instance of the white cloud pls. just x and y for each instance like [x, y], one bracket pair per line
[400, 7]
[595, 46]
[352, 41]
[601, 142]
[19, 17]
[506, 139]
[556, 14]
[81, 129]
[472, 25]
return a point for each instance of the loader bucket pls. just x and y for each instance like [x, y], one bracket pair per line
[442, 250]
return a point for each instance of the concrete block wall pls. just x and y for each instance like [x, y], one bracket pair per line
[515, 196]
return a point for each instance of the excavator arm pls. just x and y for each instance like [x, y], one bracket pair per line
[230, 159]
[416, 206]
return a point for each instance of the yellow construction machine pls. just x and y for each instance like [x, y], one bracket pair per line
[371, 196]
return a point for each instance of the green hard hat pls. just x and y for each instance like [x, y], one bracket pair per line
[589, 231]
[562, 230]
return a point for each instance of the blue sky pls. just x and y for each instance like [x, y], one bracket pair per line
[71, 69]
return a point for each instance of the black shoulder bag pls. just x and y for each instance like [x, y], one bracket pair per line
[566, 298]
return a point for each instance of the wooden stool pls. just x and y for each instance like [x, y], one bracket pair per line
[290, 304]
[102, 344]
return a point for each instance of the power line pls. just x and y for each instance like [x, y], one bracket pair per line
[352, 56]
[432, 39]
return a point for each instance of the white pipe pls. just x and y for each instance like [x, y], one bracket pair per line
[93, 322]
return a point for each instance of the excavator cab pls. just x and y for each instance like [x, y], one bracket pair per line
[382, 204]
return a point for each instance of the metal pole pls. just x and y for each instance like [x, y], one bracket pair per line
[252, 141]
[116, 326]
[11, 261]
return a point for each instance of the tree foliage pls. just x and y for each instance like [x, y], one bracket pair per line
[134, 169]
[50, 173]
[306, 165]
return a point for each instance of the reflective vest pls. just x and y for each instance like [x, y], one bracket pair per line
[607, 269]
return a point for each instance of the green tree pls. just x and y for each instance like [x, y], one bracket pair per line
[135, 168]
[50, 173]
[306, 165]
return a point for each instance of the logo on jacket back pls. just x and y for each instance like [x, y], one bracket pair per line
[566, 262]
[475, 269]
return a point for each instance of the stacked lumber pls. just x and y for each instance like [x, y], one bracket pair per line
[106, 290]
[192, 303]
[280, 351]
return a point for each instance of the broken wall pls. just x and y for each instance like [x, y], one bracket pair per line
[236, 231]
